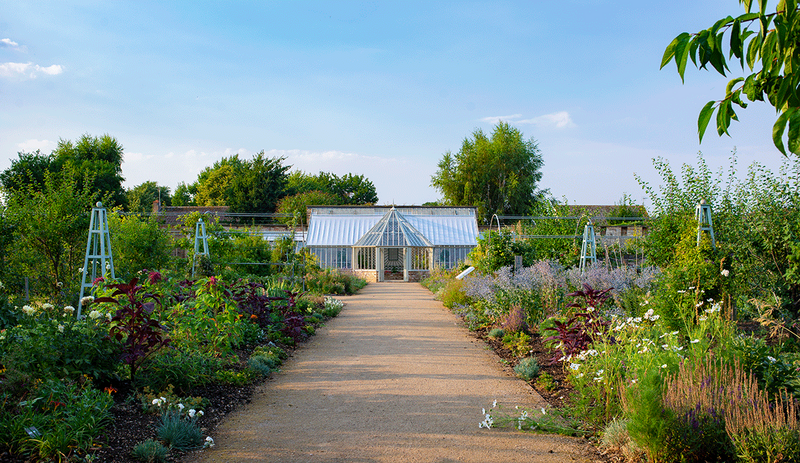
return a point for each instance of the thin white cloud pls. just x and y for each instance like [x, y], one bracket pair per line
[45, 146]
[28, 70]
[8, 43]
[559, 120]
[496, 119]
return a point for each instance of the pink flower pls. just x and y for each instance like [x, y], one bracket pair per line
[97, 281]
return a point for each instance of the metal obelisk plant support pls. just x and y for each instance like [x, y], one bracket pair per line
[703, 215]
[98, 261]
[200, 238]
[589, 247]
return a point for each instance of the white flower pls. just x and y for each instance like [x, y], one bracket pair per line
[702, 318]
[108, 316]
[681, 291]
[209, 442]
[725, 272]
[28, 310]
[694, 341]
[191, 412]
[200, 413]
[181, 407]
[494, 404]
[47, 306]
[87, 300]
[94, 315]
[544, 412]
[664, 366]
[574, 366]
[590, 309]
[771, 359]
[60, 328]
[69, 309]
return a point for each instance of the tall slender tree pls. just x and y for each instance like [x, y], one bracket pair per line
[497, 174]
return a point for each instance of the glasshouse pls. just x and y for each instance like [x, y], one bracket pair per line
[381, 243]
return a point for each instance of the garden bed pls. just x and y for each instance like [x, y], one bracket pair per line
[558, 394]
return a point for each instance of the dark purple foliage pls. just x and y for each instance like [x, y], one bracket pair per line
[579, 331]
[140, 334]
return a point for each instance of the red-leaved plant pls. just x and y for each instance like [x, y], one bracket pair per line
[579, 331]
[133, 325]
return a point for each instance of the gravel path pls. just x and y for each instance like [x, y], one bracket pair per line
[394, 378]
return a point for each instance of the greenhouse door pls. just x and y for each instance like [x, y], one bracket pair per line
[394, 267]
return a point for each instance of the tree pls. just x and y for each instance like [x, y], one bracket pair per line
[258, 184]
[253, 185]
[50, 225]
[101, 157]
[140, 198]
[771, 54]
[297, 204]
[27, 169]
[138, 243]
[350, 189]
[497, 174]
[183, 195]
[211, 187]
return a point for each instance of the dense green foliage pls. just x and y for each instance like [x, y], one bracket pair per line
[497, 174]
[49, 226]
[95, 163]
[138, 243]
[661, 365]
[141, 197]
[348, 189]
[770, 51]
[253, 185]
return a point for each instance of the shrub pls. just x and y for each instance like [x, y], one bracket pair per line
[527, 369]
[179, 433]
[182, 368]
[330, 281]
[546, 382]
[518, 343]
[264, 359]
[515, 321]
[332, 307]
[451, 294]
[150, 451]
[158, 402]
[134, 324]
[138, 243]
[60, 347]
[496, 333]
[60, 420]
[615, 437]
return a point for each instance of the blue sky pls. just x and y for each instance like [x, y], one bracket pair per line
[375, 88]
